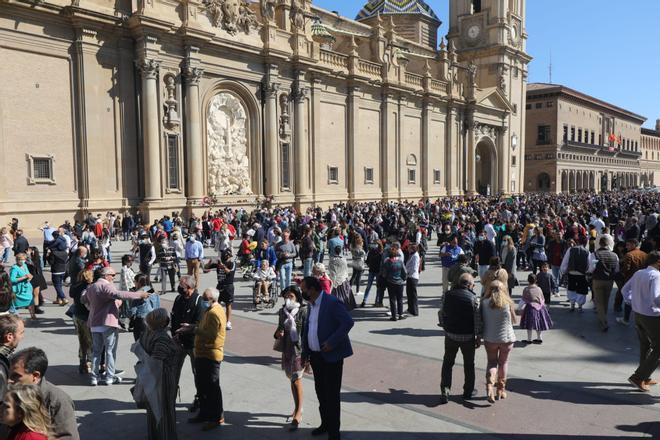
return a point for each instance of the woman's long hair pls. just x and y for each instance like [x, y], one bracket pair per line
[29, 402]
[499, 295]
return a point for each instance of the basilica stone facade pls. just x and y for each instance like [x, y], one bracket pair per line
[157, 104]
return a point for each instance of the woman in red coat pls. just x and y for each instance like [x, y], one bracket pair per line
[24, 412]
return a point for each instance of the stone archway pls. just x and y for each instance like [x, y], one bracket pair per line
[543, 182]
[486, 167]
[228, 145]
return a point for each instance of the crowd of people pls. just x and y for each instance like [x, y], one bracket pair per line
[315, 260]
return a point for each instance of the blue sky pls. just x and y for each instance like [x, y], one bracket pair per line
[609, 49]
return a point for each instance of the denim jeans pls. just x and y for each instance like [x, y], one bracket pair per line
[557, 274]
[58, 280]
[285, 275]
[307, 266]
[370, 282]
[5, 255]
[108, 340]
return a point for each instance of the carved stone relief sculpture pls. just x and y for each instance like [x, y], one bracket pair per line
[231, 15]
[299, 11]
[171, 119]
[227, 141]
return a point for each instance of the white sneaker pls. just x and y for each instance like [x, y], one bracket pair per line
[115, 380]
[94, 382]
[228, 325]
[622, 321]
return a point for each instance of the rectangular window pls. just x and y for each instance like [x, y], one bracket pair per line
[543, 136]
[40, 169]
[476, 6]
[600, 139]
[565, 133]
[172, 161]
[412, 175]
[593, 138]
[515, 109]
[368, 175]
[333, 175]
[436, 176]
[539, 105]
[514, 161]
[286, 166]
[548, 104]
[573, 134]
[579, 135]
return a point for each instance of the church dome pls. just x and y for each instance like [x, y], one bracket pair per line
[396, 7]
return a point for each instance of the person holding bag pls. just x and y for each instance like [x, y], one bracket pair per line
[292, 319]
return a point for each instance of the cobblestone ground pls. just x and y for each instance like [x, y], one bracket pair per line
[571, 387]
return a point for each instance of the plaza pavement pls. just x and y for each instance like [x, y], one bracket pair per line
[571, 387]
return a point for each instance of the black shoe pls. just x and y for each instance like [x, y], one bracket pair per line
[393, 318]
[469, 396]
[196, 419]
[537, 341]
[363, 305]
[195, 405]
[444, 395]
[525, 341]
[319, 431]
[38, 310]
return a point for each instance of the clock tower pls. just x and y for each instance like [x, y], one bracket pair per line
[491, 35]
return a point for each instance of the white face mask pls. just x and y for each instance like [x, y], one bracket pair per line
[290, 304]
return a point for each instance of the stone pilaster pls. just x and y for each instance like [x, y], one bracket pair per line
[352, 130]
[148, 69]
[193, 130]
[300, 159]
[471, 155]
[272, 140]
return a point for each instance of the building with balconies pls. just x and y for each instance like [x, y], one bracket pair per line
[577, 142]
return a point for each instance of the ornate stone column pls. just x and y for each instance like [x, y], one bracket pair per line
[472, 156]
[272, 140]
[193, 130]
[451, 162]
[298, 95]
[148, 69]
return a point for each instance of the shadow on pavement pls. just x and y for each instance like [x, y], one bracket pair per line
[415, 332]
[584, 393]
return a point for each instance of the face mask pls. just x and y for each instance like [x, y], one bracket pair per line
[290, 304]
[482, 238]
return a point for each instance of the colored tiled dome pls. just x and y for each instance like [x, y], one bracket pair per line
[391, 7]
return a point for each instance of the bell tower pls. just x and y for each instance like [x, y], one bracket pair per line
[491, 34]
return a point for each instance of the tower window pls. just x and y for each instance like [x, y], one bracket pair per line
[476, 6]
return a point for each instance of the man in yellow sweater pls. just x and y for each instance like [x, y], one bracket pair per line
[209, 351]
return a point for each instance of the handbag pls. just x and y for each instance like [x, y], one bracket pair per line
[278, 345]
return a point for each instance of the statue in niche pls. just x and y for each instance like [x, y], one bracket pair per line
[298, 13]
[285, 119]
[268, 9]
[171, 119]
[227, 143]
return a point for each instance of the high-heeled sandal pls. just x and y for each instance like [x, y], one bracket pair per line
[501, 392]
[490, 390]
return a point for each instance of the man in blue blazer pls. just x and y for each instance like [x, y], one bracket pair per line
[325, 344]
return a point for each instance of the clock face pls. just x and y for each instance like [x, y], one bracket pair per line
[473, 32]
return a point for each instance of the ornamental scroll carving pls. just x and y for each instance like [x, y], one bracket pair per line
[231, 15]
[481, 131]
[228, 163]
